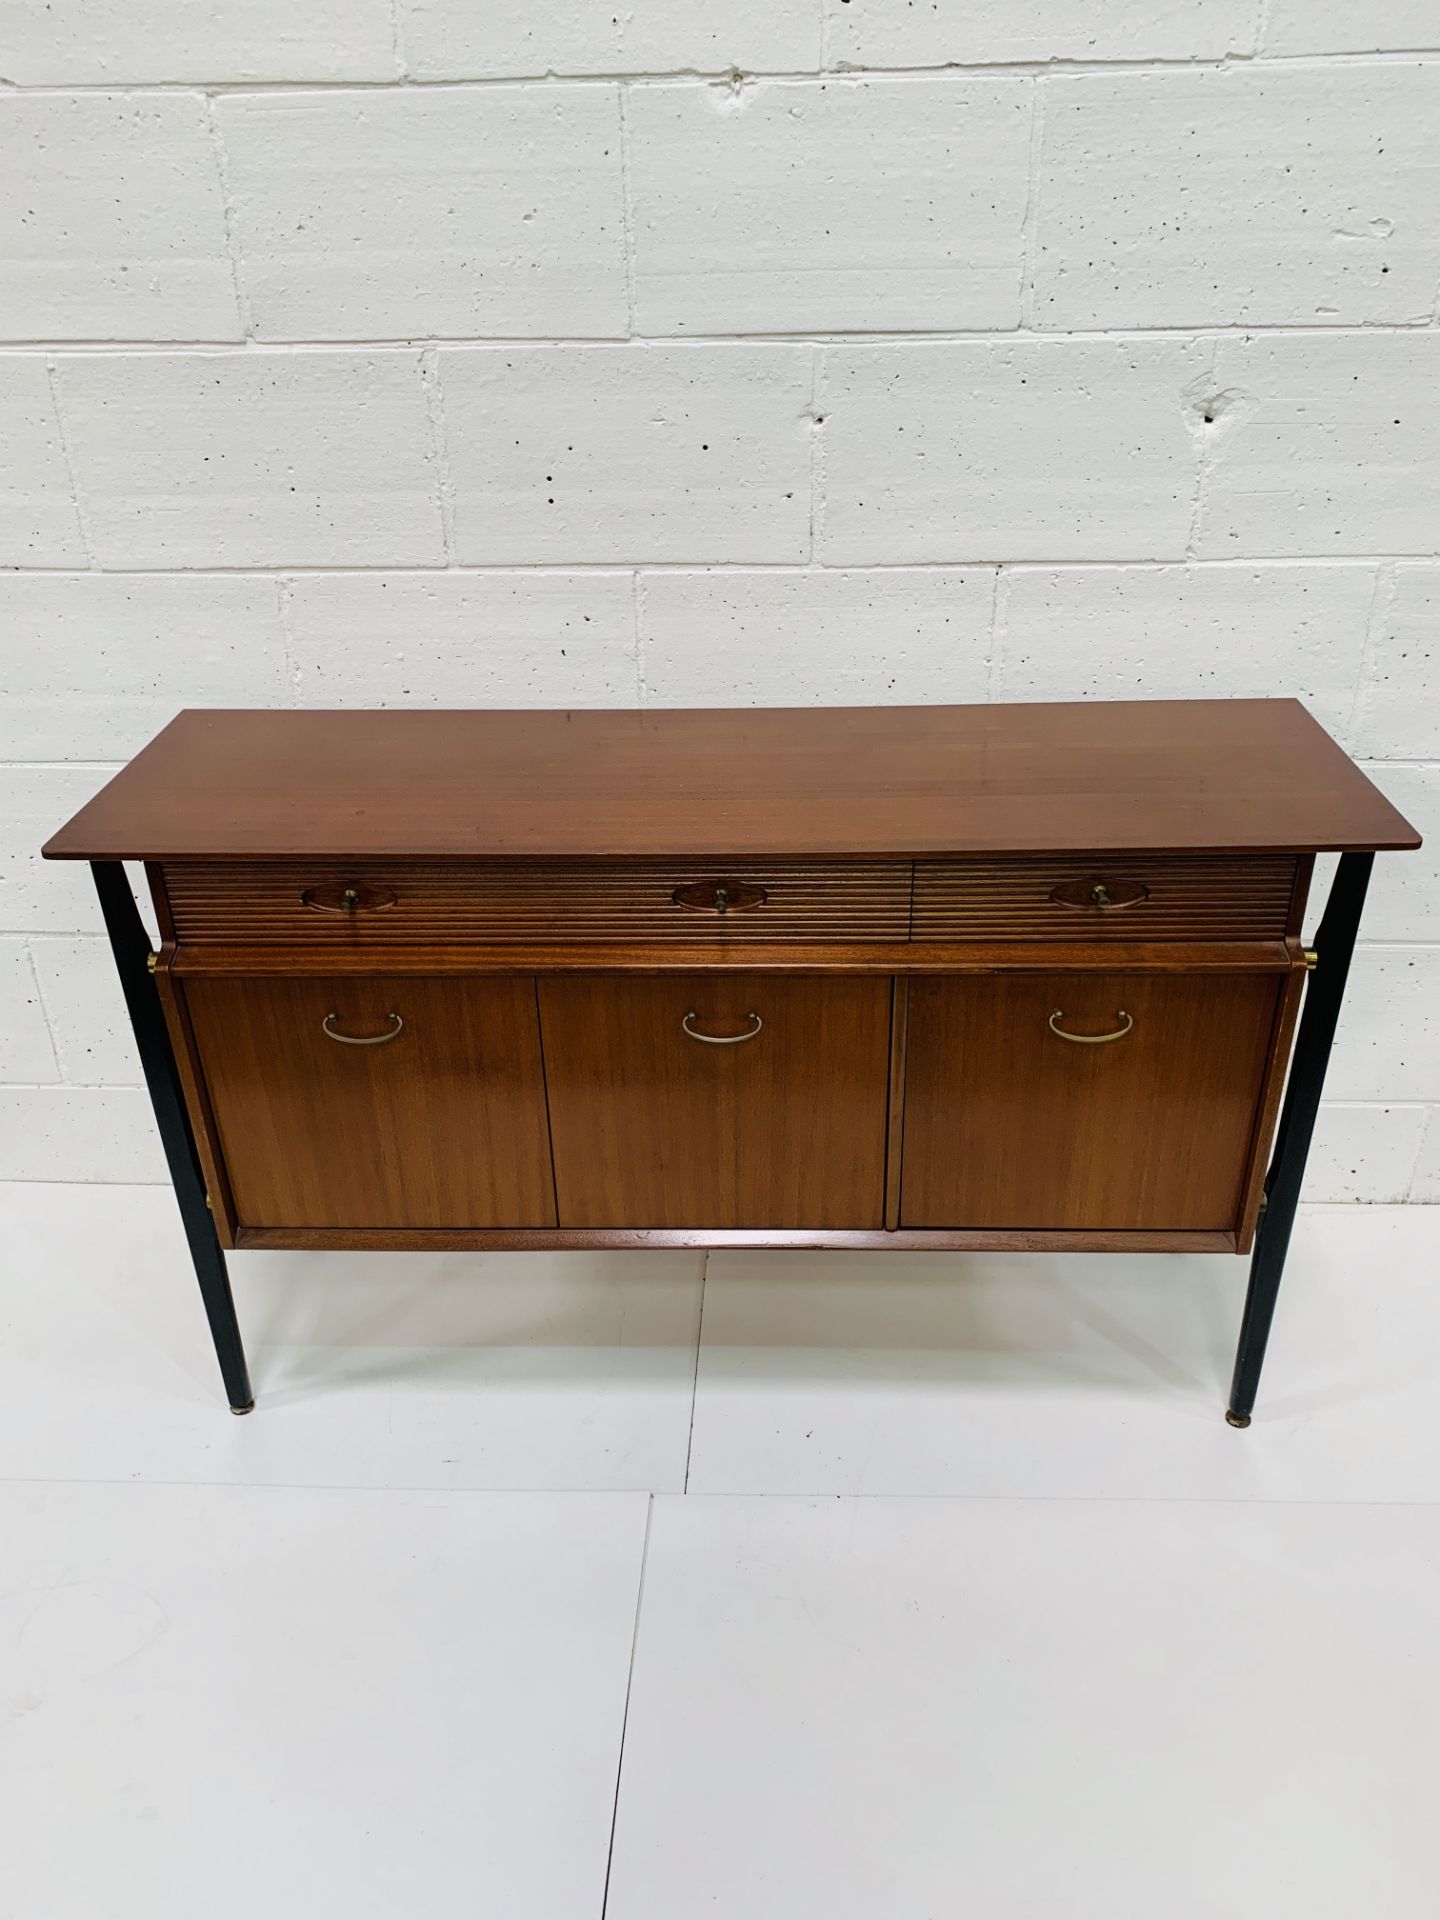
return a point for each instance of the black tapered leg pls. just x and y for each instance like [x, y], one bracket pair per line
[1324, 990]
[131, 947]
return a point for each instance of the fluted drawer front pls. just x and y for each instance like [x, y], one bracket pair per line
[332, 905]
[1131, 898]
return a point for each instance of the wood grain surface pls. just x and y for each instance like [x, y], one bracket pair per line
[1086, 777]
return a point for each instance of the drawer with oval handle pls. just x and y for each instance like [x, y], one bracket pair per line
[428, 903]
[1175, 897]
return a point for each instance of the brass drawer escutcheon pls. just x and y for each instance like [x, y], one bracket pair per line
[352, 897]
[720, 896]
[1100, 896]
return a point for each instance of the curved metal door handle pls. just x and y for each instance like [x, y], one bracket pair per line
[1091, 1039]
[361, 1039]
[721, 1039]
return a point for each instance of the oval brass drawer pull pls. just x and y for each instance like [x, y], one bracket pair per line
[1101, 896]
[721, 1039]
[1092, 1039]
[361, 1039]
[337, 897]
[720, 896]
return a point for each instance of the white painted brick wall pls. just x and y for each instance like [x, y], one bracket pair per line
[461, 212]
[112, 222]
[39, 520]
[253, 459]
[459, 639]
[1236, 196]
[628, 453]
[1039, 450]
[414, 351]
[458, 40]
[780, 206]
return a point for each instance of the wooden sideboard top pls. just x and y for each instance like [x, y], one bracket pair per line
[1133, 776]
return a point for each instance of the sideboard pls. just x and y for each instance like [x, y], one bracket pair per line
[940, 977]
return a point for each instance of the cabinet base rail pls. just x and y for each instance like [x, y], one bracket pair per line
[1334, 945]
[774, 1239]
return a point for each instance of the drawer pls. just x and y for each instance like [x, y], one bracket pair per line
[337, 907]
[1085, 898]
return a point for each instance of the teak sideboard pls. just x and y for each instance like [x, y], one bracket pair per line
[940, 977]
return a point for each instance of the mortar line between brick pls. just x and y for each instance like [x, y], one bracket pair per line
[1202, 467]
[52, 1031]
[637, 613]
[82, 518]
[434, 392]
[999, 629]
[243, 318]
[1030, 222]
[283, 613]
[817, 459]
[1381, 598]
[397, 44]
[627, 210]
[960, 70]
[858, 337]
[620, 565]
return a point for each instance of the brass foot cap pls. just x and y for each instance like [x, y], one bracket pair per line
[1238, 1419]
[249, 1407]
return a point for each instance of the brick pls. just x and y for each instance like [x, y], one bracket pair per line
[463, 639]
[36, 894]
[1325, 445]
[1339, 26]
[842, 206]
[1236, 197]
[88, 42]
[26, 1052]
[629, 453]
[79, 1133]
[1399, 715]
[1426, 1186]
[112, 224]
[421, 213]
[1363, 1153]
[96, 664]
[1387, 1046]
[898, 33]
[959, 450]
[38, 522]
[457, 40]
[799, 639]
[1175, 633]
[1404, 898]
[254, 459]
[82, 996]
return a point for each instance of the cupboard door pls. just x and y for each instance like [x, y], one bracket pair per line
[436, 1119]
[1010, 1124]
[718, 1100]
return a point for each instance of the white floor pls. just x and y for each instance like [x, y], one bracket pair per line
[548, 1587]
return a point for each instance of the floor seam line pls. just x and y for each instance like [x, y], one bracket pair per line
[625, 1711]
[695, 1382]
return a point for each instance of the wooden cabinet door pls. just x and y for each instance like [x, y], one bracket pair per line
[653, 1127]
[1007, 1124]
[442, 1125]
